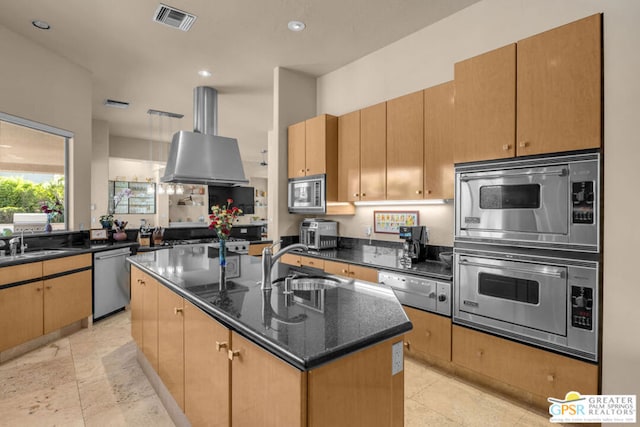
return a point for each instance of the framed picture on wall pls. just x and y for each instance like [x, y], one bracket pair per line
[389, 222]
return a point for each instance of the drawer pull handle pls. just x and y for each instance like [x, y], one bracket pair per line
[355, 194]
[551, 378]
[233, 353]
[418, 191]
[506, 147]
[480, 353]
[427, 334]
[364, 194]
[407, 344]
[523, 144]
[221, 345]
[177, 310]
[48, 287]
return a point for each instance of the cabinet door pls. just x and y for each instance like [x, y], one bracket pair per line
[67, 299]
[485, 111]
[431, 334]
[265, 390]
[337, 268]
[137, 295]
[171, 342]
[206, 369]
[296, 150]
[21, 309]
[373, 152]
[349, 157]
[439, 139]
[405, 147]
[150, 321]
[560, 88]
[537, 371]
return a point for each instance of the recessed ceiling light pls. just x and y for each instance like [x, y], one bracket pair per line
[204, 73]
[42, 25]
[296, 26]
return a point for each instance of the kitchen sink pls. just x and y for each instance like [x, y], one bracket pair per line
[33, 254]
[309, 283]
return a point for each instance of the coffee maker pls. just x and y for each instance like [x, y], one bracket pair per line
[415, 242]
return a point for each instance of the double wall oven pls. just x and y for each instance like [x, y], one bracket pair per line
[527, 250]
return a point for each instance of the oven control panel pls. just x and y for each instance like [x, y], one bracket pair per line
[582, 307]
[582, 200]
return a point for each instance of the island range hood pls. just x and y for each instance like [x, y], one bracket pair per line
[203, 157]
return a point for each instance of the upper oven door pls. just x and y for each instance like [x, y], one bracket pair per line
[521, 294]
[527, 200]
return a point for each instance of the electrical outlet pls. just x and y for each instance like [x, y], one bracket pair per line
[397, 358]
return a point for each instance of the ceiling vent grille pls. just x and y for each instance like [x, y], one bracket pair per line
[115, 103]
[173, 17]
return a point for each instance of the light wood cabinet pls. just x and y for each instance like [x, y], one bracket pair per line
[144, 314]
[560, 89]
[539, 372]
[206, 369]
[296, 162]
[21, 313]
[543, 96]
[351, 271]
[255, 249]
[485, 106]
[20, 273]
[373, 152]
[439, 139]
[405, 147]
[349, 157]
[312, 262]
[67, 299]
[171, 343]
[430, 336]
[291, 259]
[256, 378]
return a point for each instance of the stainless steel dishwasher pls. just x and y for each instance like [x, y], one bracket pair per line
[111, 290]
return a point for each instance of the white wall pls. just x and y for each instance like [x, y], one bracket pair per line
[426, 58]
[39, 85]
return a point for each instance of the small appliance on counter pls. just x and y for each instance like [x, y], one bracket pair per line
[319, 233]
[415, 243]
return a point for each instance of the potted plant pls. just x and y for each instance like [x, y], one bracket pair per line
[106, 221]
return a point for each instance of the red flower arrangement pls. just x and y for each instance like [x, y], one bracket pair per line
[52, 209]
[222, 218]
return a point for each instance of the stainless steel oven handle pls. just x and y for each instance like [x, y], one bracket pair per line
[558, 274]
[561, 172]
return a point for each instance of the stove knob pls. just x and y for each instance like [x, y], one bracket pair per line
[442, 297]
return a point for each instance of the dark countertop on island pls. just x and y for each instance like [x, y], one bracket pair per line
[306, 329]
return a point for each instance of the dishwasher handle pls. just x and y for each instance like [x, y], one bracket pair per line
[119, 254]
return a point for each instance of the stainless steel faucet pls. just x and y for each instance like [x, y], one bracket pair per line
[269, 259]
[13, 244]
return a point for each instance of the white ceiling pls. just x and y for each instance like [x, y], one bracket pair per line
[153, 66]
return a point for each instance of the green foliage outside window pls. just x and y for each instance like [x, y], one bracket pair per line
[19, 195]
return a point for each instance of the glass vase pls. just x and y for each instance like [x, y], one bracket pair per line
[48, 226]
[222, 257]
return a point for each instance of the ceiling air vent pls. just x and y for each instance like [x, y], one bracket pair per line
[116, 104]
[173, 17]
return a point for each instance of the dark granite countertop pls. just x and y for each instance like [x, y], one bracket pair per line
[306, 329]
[384, 258]
[43, 253]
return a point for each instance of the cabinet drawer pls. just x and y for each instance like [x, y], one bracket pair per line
[312, 262]
[60, 265]
[363, 273]
[537, 371]
[337, 268]
[290, 259]
[21, 272]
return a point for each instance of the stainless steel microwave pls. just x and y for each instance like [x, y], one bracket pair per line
[546, 202]
[307, 194]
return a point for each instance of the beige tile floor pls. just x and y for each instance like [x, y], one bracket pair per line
[92, 378]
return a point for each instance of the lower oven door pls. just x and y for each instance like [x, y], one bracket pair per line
[516, 294]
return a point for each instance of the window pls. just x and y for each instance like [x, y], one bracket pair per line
[126, 197]
[33, 174]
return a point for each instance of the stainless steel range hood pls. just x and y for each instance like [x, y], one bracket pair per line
[202, 157]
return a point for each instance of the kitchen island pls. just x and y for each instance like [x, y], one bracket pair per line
[329, 353]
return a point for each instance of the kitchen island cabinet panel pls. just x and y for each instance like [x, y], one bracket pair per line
[439, 140]
[21, 313]
[144, 314]
[67, 299]
[405, 147]
[265, 391]
[560, 89]
[541, 373]
[430, 336]
[171, 343]
[206, 369]
[485, 109]
[336, 396]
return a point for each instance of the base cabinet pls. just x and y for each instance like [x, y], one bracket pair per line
[542, 373]
[171, 343]
[430, 336]
[351, 271]
[144, 314]
[21, 314]
[66, 300]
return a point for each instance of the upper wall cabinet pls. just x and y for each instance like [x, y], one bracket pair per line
[485, 109]
[313, 150]
[558, 101]
[405, 147]
[560, 88]
[438, 141]
[362, 147]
